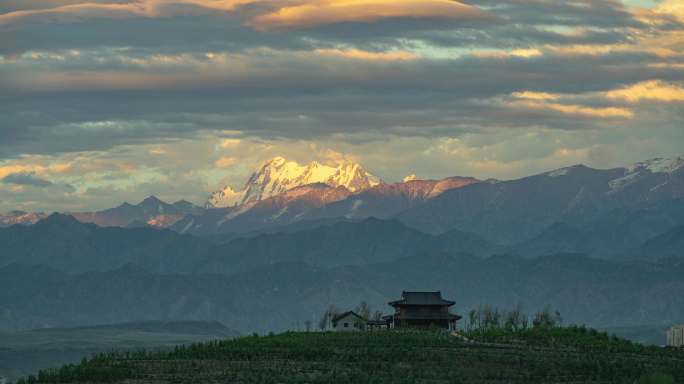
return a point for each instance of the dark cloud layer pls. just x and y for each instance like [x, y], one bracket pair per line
[515, 74]
[29, 179]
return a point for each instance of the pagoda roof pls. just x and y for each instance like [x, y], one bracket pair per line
[421, 298]
[427, 316]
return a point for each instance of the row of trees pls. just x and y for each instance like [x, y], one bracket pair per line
[487, 317]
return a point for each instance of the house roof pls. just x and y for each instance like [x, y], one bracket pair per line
[421, 298]
[345, 314]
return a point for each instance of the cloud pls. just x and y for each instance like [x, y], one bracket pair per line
[535, 95]
[574, 110]
[225, 161]
[652, 90]
[319, 12]
[525, 53]
[29, 179]
[358, 54]
[230, 143]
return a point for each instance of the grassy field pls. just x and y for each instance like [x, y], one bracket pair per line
[537, 355]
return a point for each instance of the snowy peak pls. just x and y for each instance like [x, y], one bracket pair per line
[657, 165]
[278, 175]
[226, 197]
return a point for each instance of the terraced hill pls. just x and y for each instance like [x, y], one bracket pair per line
[548, 355]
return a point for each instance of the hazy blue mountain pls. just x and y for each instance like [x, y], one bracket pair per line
[342, 243]
[615, 234]
[667, 245]
[62, 242]
[284, 295]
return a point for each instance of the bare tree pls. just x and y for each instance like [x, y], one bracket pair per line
[327, 316]
[545, 319]
[364, 310]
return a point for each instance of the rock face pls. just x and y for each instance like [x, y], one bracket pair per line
[279, 175]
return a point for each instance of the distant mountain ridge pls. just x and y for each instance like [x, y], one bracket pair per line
[151, 211]
[282, 192]
[20, 217]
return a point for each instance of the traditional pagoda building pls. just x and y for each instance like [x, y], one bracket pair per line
[422, 310]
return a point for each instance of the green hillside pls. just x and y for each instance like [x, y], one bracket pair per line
[542, 355]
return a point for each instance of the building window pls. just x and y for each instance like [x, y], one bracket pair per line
[346, 325]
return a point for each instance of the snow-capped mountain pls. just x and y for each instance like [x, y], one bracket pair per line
[279, 175]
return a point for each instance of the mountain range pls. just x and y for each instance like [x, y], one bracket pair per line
[595, 244]
[534, 209]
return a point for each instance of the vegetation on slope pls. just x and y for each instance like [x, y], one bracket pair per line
[537, 354]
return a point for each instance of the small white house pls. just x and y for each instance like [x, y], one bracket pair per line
[675, 336]
[348, 321]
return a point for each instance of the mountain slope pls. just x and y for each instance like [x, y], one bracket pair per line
[666, 245]
[515, 210]
[281, 209]
[343, 243]
[615, 234]
[313, 202]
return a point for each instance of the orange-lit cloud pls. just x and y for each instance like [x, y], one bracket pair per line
[523, 52]
[230, 143]
[74, 11]
[575, 110]
[303, 13]
[535, 95]
[225, 161]
[320, 12]
[368, 55]
[29, 166]
[653, 90]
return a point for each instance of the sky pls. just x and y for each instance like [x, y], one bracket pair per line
[105, 101]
